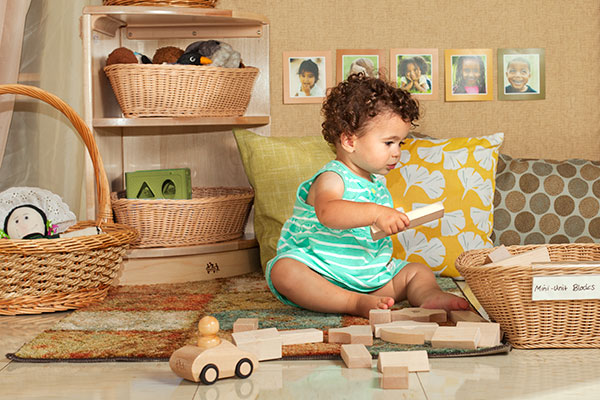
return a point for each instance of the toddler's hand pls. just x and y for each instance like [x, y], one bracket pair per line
[391, 221]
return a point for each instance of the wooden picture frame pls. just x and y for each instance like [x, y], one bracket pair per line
[368, 61]
[404, 61]
[521, 74]
[309, 63]
[472, 83]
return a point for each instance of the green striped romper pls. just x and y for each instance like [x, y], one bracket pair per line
[349, 258]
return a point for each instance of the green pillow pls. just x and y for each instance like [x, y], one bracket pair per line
[275, 167]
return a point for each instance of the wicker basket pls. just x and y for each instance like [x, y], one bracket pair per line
[505, 294]
[174, 3]
[45, 275]
[163, 90]
[212, 215]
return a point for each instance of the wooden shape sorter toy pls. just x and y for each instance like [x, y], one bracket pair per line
[354, 334]
[356, 356]
[216, 359]
[416, 361]
[265, 343]
[416, 217]
[419, 314]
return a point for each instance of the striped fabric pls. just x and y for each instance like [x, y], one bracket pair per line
[348, 258]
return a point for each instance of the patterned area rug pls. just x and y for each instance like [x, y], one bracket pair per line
[149, 322]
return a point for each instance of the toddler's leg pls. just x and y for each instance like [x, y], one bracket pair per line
[416, 283]
[309, 290]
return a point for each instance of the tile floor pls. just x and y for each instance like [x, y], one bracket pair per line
[523, 374]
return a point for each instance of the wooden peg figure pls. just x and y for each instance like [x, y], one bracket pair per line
[208, 327]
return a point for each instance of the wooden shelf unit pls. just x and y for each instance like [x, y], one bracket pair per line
[205, 145]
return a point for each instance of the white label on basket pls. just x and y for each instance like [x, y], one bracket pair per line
[565, 287]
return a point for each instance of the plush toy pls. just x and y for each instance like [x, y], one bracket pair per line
[221, 53]
[142, 59]
[168, 55]
[193, 59]
[122, 55]
[34, 213]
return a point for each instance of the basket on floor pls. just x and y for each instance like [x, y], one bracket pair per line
[165, 90]
[213, 214]
[505, 294]
[45, 275]
[174, 3]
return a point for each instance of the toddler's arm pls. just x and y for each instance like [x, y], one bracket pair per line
[325, 195]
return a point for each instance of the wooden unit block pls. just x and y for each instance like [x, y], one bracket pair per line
[265, 343]
[419, 314]
[456, 337]
[402, 335]
[499, 254]
[356, 356]
[539, 254]
[394, 377]
[354, 334]
[245, 324]
[416, 361]
[490, 332]
[428, 328]
[416, 217]
[379, 316]
[298, 336]
[465, 315]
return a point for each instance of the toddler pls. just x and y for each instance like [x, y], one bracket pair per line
[326, 260]
[518, 74]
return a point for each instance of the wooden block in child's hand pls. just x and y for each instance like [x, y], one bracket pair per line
[416, 217]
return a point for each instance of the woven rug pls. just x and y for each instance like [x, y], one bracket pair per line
[149, 322]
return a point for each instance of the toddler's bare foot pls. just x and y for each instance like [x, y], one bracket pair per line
[446, 301]
[366, 302]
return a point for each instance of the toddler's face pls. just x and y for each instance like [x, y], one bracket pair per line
[518, 75]
[471, 72]
[307, 80]
[413, 72]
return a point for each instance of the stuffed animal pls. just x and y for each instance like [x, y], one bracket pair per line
[193, 59]
[168, 55]
[122, 55]
[221, 53]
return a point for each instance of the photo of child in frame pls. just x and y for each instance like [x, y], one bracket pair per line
[469, 74]
[307, 76]
[521, 73]
[367, 64]
[414, 73]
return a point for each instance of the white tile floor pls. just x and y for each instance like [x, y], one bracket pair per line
[523, 374]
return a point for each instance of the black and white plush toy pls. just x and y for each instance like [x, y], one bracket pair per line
[220, 53]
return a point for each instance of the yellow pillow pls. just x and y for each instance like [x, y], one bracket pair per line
[459, 172]
[275, 167]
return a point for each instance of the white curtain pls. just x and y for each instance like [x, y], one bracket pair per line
[43, 149]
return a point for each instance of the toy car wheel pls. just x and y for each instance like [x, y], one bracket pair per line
[209, 374]
[244, 368]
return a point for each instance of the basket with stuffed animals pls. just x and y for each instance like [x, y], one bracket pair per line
[208, 79]
[48, 262]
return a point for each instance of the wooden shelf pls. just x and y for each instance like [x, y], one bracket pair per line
[251, 120]
[246, 242]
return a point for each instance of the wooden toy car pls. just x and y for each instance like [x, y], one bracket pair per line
[207, 365]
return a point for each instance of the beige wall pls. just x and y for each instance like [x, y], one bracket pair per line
[564, 125]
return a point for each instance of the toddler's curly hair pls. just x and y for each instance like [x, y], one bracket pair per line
[354, 102]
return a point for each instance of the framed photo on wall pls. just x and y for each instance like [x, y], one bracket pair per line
[468, 74]
[306, 76]
[416, 70]
[521, 74]
[349, 61]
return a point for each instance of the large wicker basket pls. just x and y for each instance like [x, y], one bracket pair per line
[45, 275]
[505, 294]
[174, 3]
[213, 214]
[164, 90]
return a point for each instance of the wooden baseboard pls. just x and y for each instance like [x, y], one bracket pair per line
[186, 268]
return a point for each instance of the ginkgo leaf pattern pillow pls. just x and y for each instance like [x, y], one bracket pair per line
[460, 173]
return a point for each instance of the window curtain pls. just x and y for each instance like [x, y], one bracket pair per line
[42, 148]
